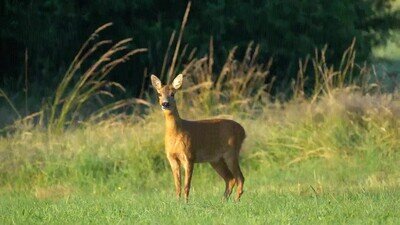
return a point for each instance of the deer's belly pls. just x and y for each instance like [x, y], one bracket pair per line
[206, 156]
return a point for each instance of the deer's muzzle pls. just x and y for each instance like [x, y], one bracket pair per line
[165, 105]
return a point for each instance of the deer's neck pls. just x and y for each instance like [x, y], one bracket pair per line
[172, 120]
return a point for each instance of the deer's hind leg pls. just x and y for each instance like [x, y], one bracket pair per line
[223, 170]
[232, 161]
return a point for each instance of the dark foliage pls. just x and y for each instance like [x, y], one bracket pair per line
[52, 31]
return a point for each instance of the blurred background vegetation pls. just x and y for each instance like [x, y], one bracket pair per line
[39, 39]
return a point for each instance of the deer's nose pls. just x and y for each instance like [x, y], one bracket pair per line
[165, 104]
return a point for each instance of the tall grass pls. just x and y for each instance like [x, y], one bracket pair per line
[346, 118]
[84, 80]
[92, 82]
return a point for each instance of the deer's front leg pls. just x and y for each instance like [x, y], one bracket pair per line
[188, 178]
[176, 171]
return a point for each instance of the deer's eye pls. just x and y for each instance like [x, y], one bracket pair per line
[172, 94]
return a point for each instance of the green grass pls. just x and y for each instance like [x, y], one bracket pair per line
[308, 193]
[363, 189]
[303, 164]
[257, 207]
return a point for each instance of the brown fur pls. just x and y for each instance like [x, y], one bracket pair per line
[217, 141]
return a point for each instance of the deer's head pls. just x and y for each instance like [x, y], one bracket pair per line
[166, 92]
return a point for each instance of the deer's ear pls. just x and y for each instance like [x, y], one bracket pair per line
[177, 83]
[156, 82]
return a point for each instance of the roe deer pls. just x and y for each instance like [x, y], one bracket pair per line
[217, 141]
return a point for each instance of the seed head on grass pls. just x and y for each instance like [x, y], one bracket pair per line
[70, 97]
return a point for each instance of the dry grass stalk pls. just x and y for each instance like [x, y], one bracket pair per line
[183, 24]
[67, 104]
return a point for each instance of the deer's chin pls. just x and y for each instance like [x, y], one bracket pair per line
[165, 108]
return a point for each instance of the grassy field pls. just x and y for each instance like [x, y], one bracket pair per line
[308, 193]
[300, 169]
[327, 157]
[259, 206]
